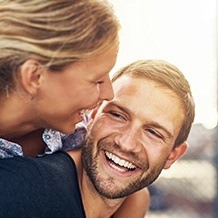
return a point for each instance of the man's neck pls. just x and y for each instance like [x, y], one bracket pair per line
[94, 204]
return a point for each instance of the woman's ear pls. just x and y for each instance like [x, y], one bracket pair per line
[30, 73]
[175, 154]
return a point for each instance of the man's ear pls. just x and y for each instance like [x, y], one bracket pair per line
[175, 154]
[30, 74]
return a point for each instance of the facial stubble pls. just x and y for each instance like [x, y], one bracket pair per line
[109, 189]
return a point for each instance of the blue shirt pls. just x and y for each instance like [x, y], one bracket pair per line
[54, 141]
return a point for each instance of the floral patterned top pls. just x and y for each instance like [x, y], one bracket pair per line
[54, 140]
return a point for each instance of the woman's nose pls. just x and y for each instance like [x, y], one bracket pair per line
[106, 90]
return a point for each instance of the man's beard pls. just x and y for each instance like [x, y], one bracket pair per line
[108, 189]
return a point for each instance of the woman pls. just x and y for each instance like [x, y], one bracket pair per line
[55, 57]
[54, 62]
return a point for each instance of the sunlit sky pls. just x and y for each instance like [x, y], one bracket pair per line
[180, 32]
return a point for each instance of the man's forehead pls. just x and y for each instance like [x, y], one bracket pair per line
[122, 82]
[127, 87]
[131, 93]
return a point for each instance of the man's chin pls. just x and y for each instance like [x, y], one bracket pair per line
[112, 190]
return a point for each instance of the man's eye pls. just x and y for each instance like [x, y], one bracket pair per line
[100, 82]
[154, 133]
[115, 114]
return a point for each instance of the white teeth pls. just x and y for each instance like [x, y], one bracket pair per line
[121, 162]
[85, 111]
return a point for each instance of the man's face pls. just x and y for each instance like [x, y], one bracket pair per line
[131, 138]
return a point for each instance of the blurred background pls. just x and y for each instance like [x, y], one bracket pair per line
[185, 33]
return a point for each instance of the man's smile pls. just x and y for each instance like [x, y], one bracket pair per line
[118, 165]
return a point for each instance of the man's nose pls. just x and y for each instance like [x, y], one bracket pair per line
[129, 140]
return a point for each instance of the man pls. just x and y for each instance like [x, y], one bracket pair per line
[129, 140]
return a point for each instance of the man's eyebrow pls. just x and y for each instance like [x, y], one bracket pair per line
[122, 108]
[159, 126]
[149, 122]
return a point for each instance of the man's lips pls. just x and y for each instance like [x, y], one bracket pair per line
[119, 161]
[119, 165]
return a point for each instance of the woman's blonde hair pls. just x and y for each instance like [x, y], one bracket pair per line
[53, 32]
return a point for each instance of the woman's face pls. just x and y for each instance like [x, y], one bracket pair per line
[82, 85]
